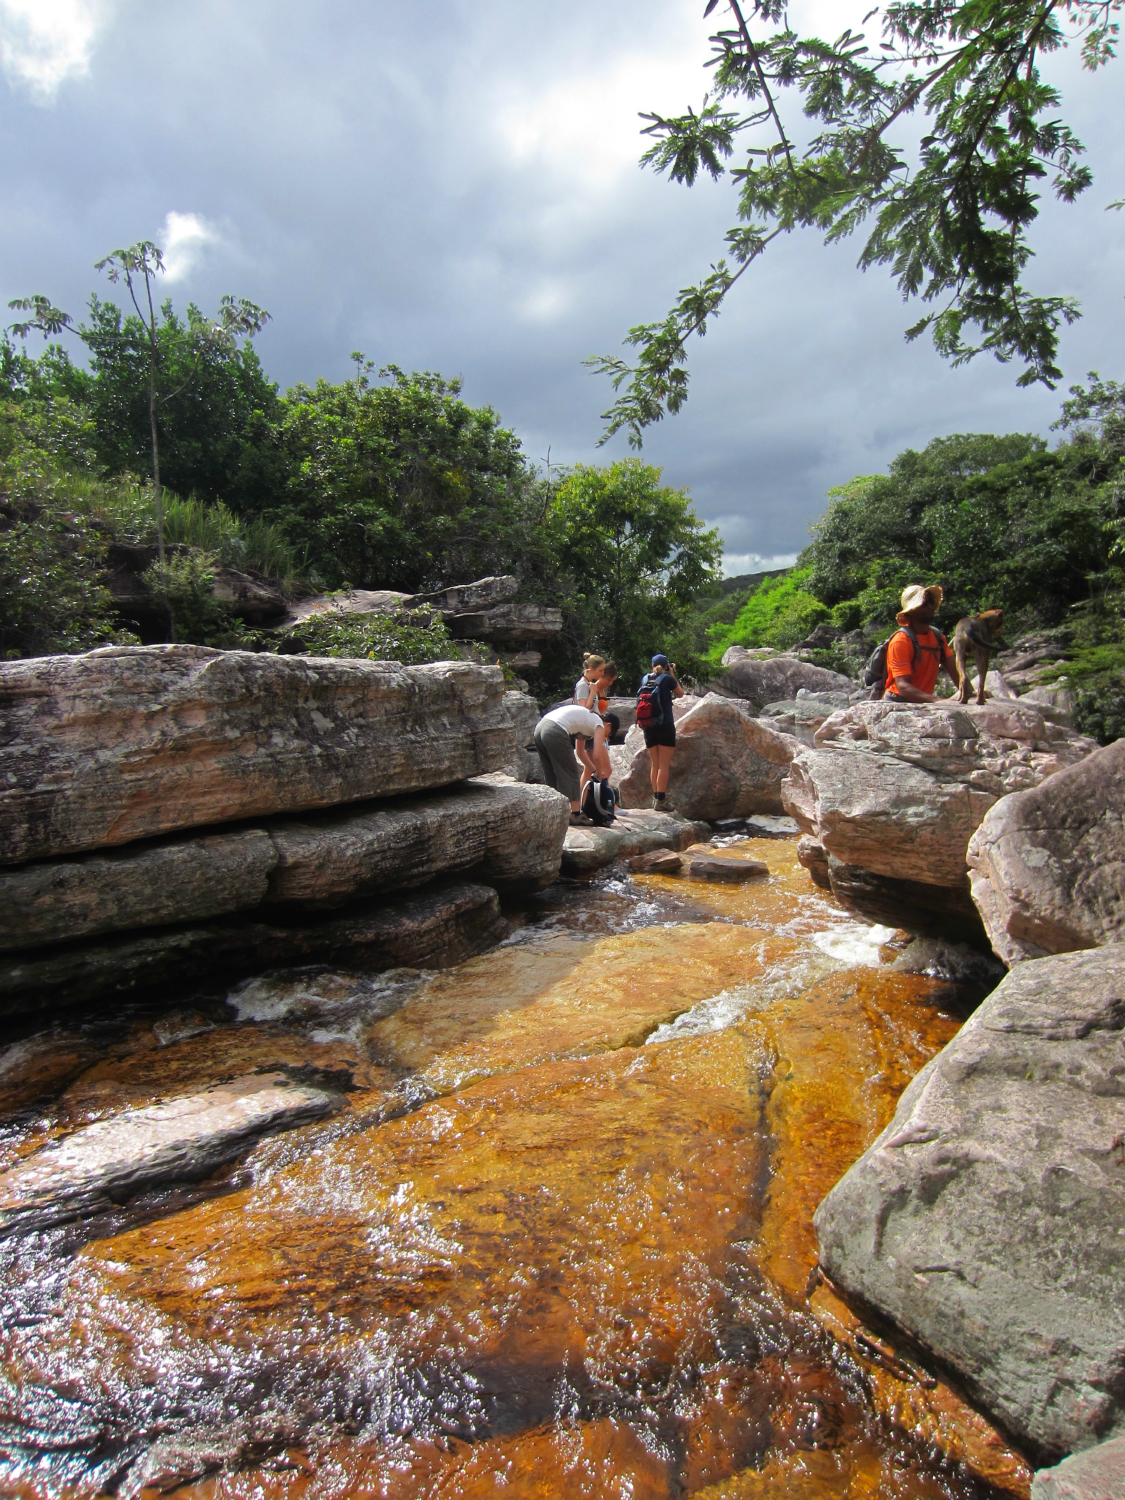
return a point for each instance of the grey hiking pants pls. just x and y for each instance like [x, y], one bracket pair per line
[556, 754]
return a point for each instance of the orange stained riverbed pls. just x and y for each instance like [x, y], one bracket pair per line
[557, 1243]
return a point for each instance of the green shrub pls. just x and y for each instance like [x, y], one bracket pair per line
[183, 586]
[1100, 712]
[779, 613]
[376, 637]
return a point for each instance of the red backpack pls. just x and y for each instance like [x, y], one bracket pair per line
[650, 714]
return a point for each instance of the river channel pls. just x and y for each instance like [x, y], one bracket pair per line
[557, 1242]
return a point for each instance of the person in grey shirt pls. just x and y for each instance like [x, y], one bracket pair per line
[554, 739]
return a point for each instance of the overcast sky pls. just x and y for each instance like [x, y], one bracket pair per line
[454, 186]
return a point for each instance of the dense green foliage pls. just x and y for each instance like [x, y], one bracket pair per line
[635, 556]
[779, 613]
[950, 216]
[379, 637]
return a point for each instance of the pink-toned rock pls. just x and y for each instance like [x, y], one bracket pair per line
[727, 763]
[128, 742]
[656, 862]
[1048, 864]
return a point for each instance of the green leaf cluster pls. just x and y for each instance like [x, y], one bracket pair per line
[383, 637]
[779, 613]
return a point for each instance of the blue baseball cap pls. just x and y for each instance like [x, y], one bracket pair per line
[660, 660]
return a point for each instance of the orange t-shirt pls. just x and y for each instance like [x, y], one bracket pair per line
[921, 666]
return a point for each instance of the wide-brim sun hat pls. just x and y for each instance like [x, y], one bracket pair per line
[915, 595]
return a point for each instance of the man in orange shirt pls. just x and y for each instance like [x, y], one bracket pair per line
[917, 652]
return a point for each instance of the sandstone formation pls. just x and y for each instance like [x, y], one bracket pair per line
[893, 792]
[433, 929]
[523, 715]
[762, 677]
[803, 715]
[727, 763]
[1096, 1473]
[181, 1139]
[633, 832]
[347, 602]
[465, 598]
[508, 623]
[812, 857]
[656, 862]
[986, 1219]
[128, 742]
[704, 863]
[248, 596]
[1048, 864]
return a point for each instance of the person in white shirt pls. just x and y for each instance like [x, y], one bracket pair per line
[554, 739]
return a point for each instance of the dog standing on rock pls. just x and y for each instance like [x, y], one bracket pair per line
[976, 636]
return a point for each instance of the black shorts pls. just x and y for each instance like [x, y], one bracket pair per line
[663, 734]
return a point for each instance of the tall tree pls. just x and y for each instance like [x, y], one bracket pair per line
[138, 266]
[953, 226]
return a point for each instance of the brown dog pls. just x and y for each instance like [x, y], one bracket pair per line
[975, 637]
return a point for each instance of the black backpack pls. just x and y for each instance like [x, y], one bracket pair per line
[875, 672]
[599, 804]
[650, 712]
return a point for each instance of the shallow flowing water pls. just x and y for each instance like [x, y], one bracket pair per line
[557, 1243]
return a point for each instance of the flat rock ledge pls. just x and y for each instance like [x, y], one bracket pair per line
[132, 742]
[434, 929]
[892, 793]
[988, 1219]
[1048, 865]
[177, 1140]
[633, 832]
[507, 835]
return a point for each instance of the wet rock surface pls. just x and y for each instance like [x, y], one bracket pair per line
[178, 1139]
[704, 863]
[892, 794]
[764, 678]
[728, 763]
[1047, 865]
[129, 742]
[986, 1219]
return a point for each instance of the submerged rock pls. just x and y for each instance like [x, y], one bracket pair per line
[706, 864]
[727, 763]
[177, 1140]
[767, 679]
[130, 742]
[1048, 865]
[986, 1220]
[432, 930]
[893, 792]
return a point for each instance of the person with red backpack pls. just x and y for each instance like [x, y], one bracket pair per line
[917, 652]
[654, 717]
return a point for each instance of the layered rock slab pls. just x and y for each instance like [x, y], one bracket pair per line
[764, 678]
[1047, 865]
[130, 742]
[986, 1220]
[727, 763]
[893, 792]
[632, 832]
[178, 1139]
[509, 835]
[435, 929]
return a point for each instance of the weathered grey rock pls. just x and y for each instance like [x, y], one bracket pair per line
[467, 598]
[511, 623]
[802, 716]
[1048, 864]
[812, 857]
[708, 864]
[626, 711]
[897, 790]
[633, 832]
[177, 1140]
[432, 929]
[128, 742]
[248, 596]
[768, 679]
[656, 862]
[509, 835]
[185, 878]
[987, 1219]
[523, 715]
[347, 602]
[727, 763]
[1056, 701]
[1096, 1473]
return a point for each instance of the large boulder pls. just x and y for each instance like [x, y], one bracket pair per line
[510, 623]
[632, 833]
[763, 678]
[893, 792]
[464, 598]
[510, 836]
[727, 763]
[986, 1220]
[1047, 865]
[130, 742]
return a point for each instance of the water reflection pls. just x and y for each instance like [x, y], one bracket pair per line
[559, 1243]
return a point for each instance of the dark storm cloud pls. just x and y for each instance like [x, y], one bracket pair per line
[455, 188]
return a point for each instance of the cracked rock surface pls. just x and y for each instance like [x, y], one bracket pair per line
[988, 1219]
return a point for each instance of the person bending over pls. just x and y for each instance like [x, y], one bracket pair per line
[661, 739]
[554, 739]
[917, 652]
